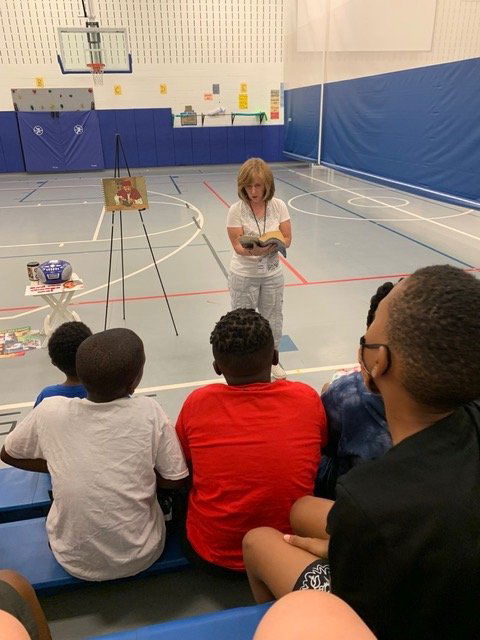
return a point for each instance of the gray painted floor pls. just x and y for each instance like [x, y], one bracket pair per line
[349, 237]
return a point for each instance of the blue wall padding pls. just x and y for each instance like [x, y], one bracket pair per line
[50, 141]
[201, 146]
[302, 108]
[182, 143]
[10, 142]
[419, 126]
[272, 143]
[144, 127]
[3, 164]
[218, 145]
[82, 151]
[126, 127]
[148, 137]
[43, 151]
[164, 137]
[108, 129]
[236, 144]
[253, 141]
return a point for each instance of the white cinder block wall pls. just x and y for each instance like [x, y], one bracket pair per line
[456, 36]
[186, 44]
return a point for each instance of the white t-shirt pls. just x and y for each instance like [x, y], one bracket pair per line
[240, 215]
[105, 521]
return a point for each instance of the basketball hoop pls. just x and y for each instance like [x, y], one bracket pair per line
[97, 72]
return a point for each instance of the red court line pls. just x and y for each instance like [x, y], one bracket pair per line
[216, 194]
[215, 291]
[127, 299]
[296, 273]
[293, 270]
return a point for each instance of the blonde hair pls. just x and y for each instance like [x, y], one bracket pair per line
[251, 169]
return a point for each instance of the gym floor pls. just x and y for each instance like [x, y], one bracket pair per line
[349, 236]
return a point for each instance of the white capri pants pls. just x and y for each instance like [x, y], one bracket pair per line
[265, 294]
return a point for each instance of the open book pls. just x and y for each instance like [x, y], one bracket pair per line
[270, 238]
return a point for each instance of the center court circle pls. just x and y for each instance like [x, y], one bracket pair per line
[396, 202]
[358, 218]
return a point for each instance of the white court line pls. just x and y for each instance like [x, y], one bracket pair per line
[49, 204]
[389, 181]
[404, 202]
[392, 206]
[200, 221]
[67, 186]
[197, 383]
[141, 235]
[356, 219]
[99, 224]
[70, 204]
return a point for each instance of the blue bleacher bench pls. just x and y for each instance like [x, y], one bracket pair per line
[23, 494]
[231, 624]
[24, 548]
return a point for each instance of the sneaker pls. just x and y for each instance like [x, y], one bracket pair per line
[278, 372]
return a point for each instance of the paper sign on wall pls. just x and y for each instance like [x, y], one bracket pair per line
[163, 89]
[39, 82]
[274, 104]
[216, 89]
[243, 87]
[243, 101]
[208, 96]
[117, 89]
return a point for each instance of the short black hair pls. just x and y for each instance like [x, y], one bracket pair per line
[109, 361]
[63, 345]
[381, 293]
[242, 342]
[434, 325]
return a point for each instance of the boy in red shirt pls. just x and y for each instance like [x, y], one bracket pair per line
[253, 445]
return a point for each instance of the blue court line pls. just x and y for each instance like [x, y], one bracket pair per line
[287, 344]
[398, 233]
[172, 178]
[214, 253]
[29, 194]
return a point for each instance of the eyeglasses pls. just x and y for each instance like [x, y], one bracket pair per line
[365, 345]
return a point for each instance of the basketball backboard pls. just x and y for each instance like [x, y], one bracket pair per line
[80, 47]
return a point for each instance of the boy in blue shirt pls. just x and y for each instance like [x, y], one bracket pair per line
[62, 349]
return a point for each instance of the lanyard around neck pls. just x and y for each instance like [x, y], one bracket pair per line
[256, 221]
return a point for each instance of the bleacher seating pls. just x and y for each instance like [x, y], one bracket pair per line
[231, 624]
[23, 494]
[24, 548]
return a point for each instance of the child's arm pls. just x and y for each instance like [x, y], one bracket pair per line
[27, 464]
[164, 483]
[22, 447]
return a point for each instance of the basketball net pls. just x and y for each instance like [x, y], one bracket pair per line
[97, 72]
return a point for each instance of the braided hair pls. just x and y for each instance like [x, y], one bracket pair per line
[242, 341]
[382, 291]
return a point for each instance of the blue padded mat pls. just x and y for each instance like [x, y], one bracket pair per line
[24, 548]
[23, 494]
[232, 624]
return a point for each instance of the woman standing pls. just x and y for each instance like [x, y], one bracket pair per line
[256, 278]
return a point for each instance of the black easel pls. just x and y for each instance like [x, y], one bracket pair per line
[118, 149]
